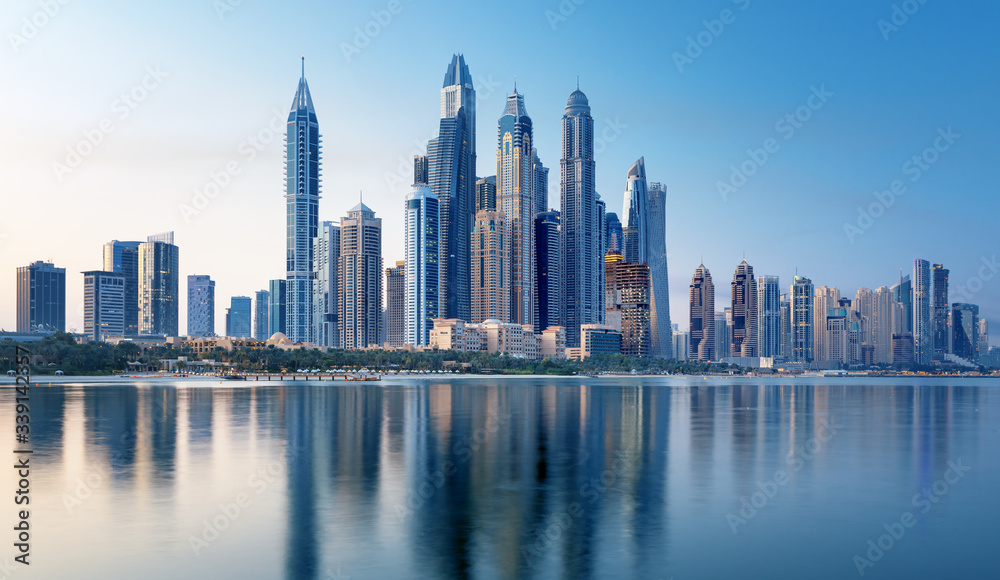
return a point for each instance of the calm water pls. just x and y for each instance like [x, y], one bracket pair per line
[511, 478]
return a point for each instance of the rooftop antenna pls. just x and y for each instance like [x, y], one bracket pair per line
[515, 84]
[303, 67]
[578, 82]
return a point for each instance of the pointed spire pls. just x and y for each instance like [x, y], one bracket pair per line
[515, 84]
[303, 67]
[578, 82]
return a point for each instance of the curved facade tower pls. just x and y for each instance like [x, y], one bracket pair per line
[516, 199]
[452, 177]
[302, 185]
[634, 212]
[702, 342]
[579, 237]
[661, 331]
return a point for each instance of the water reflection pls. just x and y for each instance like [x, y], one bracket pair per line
[499, 479]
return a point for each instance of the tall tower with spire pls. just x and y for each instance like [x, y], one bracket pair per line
[634, 212]
[302, 186]
[452, 177]
[516, 199]
[579, 237]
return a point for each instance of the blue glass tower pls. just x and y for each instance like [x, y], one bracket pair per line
[302, 174]
[452, 176]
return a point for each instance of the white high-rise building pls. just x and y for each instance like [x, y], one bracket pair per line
[360, 298]
[422, 259]
[923, 322]
[826, 298]
[103, 304]
[326, 259]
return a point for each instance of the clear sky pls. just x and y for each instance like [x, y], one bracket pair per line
[204, 80]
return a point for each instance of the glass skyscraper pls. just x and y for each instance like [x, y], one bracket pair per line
[276, 311]
[516, 199]
[579, 236]
[103, 305]
[238, 317]
[260, 316]
[41, 298]
[326, 258]
[965, 331]
[201, 306]
[923, 334]
[769, 317]
[159, 277]
[123, 258]
[659, 282]
[422, 258]
[634, 212]
[452, 177]
[302, 188]
[940, 311]
[803, 332]
[546, 270]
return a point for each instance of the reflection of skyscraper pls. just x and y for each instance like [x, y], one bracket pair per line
[201, 306]
[579, 237]
[41, 298]
[803, 331]
[923, 335]
[123, 257]
[158, 282]
[452, 173]
[940, 311]
[516, 199]
[702, 341]
[302, 188]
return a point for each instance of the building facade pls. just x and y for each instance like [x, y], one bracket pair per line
[661, 328]
[302, 188]
[41, 298]
[803, 342]
[360, 301]
[881, 325]
[627, 292]
[490, 267]
[326, 260]
[238, 317]
[261, 325]
[158, 285]
[103, 304]
[486, 193]
[201, 306]
[579, 237]
[452, 172]
[395, 293]
[744, 305]
[516, 199]
[422, 258]
[701, 341]
[276, 309]
[923, 323]
[123, 258]
[546, 270]
[769, 317]
[635, 214]
[940, 311]
[965, 331]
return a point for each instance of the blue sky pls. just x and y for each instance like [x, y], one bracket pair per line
[208, 80]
